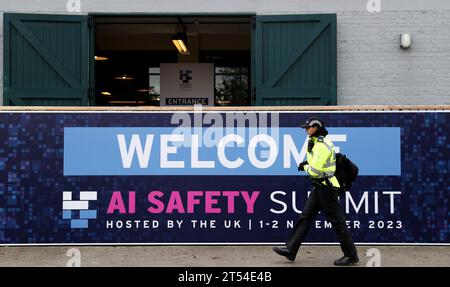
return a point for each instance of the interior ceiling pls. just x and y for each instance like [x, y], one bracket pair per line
[123, 26]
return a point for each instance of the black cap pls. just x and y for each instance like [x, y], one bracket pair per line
[313, 122]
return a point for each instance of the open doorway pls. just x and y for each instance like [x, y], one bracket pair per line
[130, 50]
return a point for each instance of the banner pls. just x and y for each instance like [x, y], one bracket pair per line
[215, 177]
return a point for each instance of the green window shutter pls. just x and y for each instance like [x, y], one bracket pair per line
[295, 60]
[46, 60]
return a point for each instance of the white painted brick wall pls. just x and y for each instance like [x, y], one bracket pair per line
[372, 69]
[258, 6]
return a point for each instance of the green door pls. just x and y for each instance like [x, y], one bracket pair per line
[294, 60]
[46, 60]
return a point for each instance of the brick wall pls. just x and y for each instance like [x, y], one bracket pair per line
[373, 69]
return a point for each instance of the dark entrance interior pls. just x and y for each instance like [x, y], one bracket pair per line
[129, 51]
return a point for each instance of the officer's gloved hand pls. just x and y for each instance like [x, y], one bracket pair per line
[301, 166]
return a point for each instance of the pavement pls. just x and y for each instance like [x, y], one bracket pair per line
[217, 256]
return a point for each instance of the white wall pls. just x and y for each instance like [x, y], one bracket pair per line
[259, 6]
[372, 69]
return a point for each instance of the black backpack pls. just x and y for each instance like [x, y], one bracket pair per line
[346, 172]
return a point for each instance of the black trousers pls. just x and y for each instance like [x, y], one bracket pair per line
[325, 199]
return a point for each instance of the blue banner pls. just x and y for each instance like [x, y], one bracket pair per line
[151, 178]
[143, 151]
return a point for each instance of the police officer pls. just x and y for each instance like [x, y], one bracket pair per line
[320, 166]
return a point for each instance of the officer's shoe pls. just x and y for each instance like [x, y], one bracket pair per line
[284, 251]
[346, 261]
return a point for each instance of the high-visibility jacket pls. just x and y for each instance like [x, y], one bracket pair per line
[322, 160]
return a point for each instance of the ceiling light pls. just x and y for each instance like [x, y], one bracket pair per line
[180, 42]
[124, 78]
[106, 93]
[100, 58]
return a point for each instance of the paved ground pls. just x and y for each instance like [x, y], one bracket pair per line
[222, 256]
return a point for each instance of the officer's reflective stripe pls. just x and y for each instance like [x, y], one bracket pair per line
[318, 172]
[329, 173]
[330, 164]
[329, 147]
[331, 161]
[332, 157]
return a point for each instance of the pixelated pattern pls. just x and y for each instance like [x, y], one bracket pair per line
[32, 185]
[81, 206]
